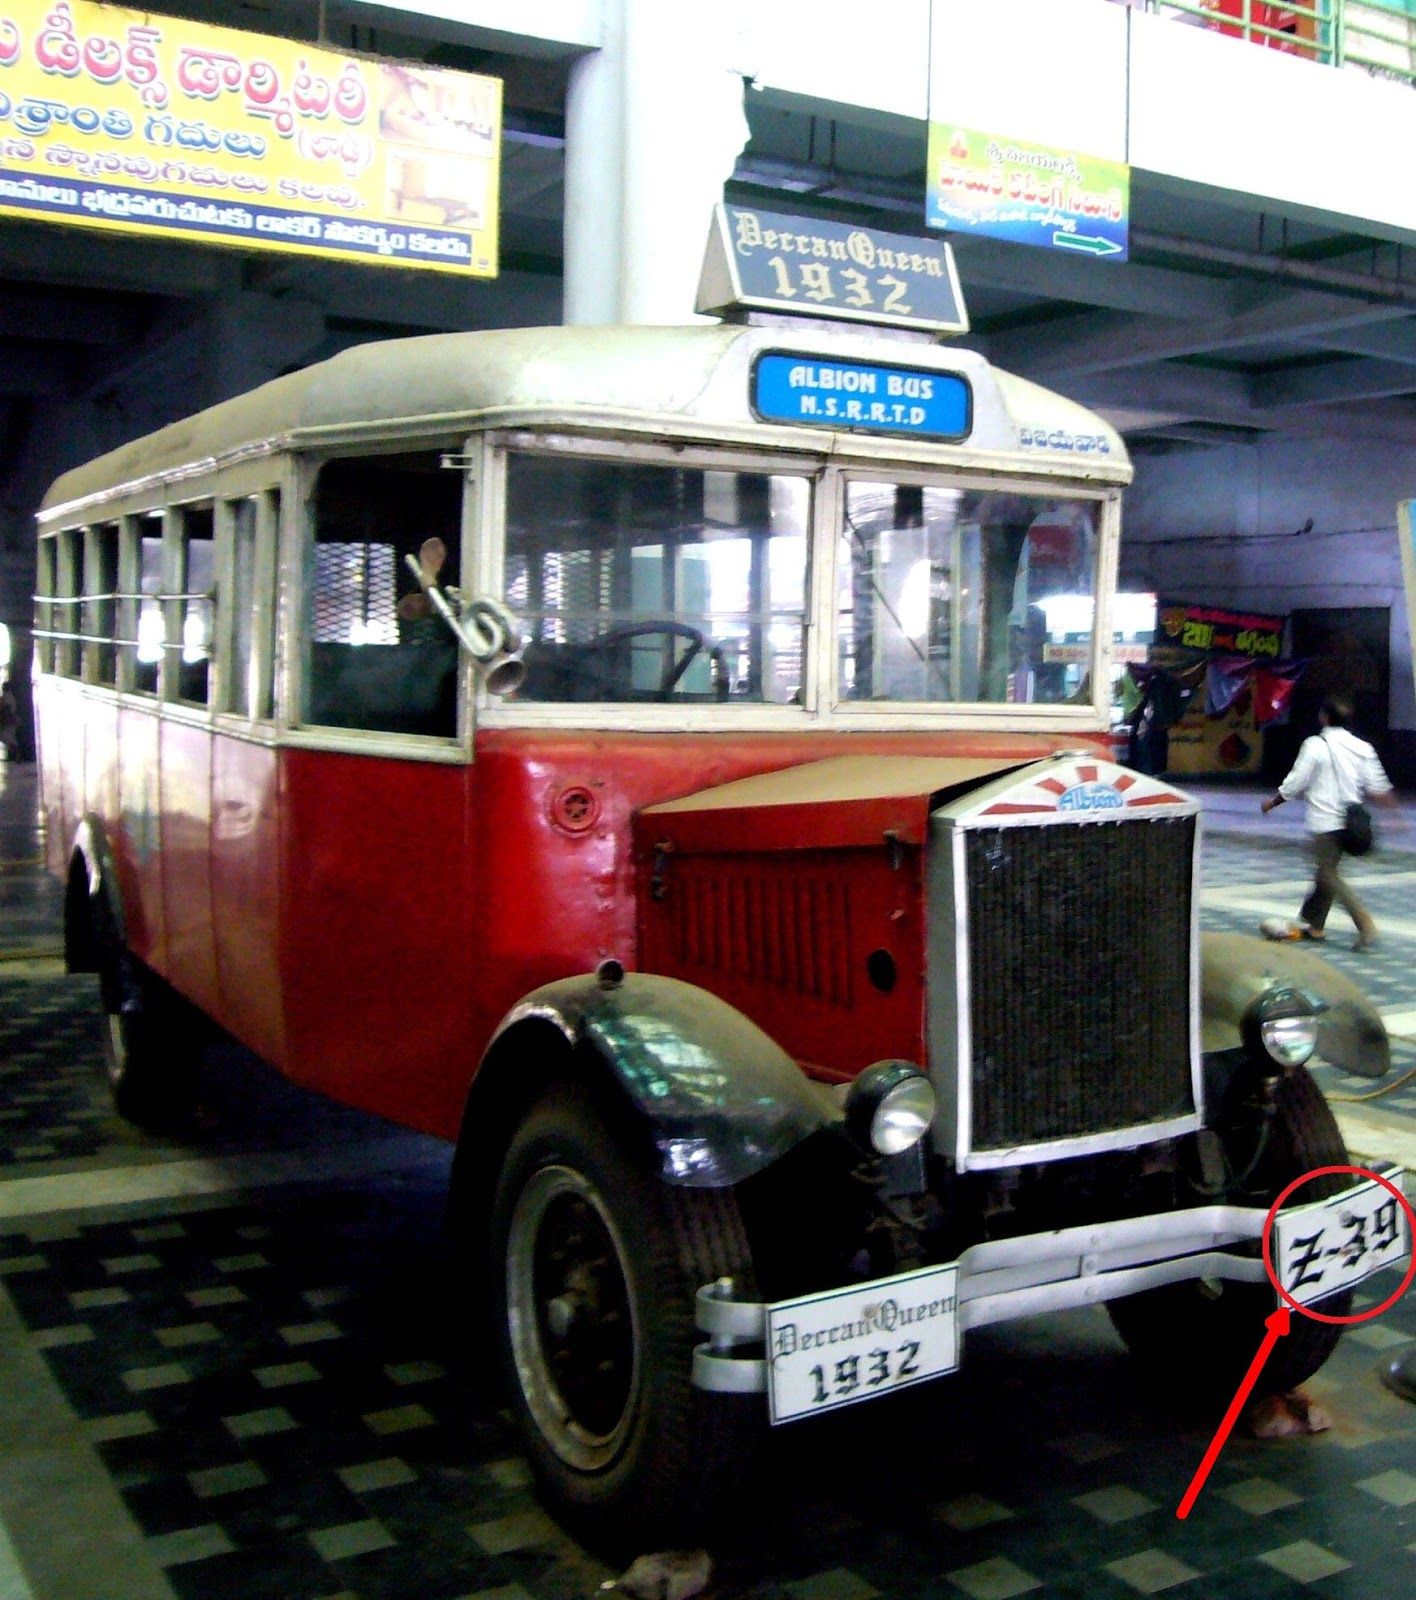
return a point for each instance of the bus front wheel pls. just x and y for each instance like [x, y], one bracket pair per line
[594, 1265]
[1199, 1337]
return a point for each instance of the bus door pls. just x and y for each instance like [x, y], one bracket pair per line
[377, 916]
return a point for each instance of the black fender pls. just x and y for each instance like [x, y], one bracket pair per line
[92, 879]
[714, 1097]
[1236, 968]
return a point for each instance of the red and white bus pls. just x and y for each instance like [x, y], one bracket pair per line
[644, 756]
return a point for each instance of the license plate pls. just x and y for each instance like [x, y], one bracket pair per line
[1334, 1244]
[844, 1345]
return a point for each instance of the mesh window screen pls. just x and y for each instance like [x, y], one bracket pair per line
[352, 594]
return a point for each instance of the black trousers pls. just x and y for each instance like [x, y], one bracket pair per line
[1330, 885]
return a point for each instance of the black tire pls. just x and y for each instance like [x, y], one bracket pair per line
[594, 1265]
[1199, 1339]
[150, 1037]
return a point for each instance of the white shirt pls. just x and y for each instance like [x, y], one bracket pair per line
[1334, 769]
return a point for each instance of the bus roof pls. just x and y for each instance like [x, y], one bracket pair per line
[690, 378]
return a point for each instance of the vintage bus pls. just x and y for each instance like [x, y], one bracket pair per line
[671, 763]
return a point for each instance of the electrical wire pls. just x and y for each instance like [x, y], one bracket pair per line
[1136, 543]
[1374, 1094]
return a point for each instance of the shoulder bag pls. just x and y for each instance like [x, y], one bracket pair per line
[1358, 836]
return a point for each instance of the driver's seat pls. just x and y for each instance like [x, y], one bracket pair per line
[557, 673]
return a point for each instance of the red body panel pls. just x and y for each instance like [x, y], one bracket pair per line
[185, 758]
[366, 921]
[246, 871]
[378, 957]
[136, 833]
[792, 939]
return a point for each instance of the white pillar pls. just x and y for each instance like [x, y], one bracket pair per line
[654, 125]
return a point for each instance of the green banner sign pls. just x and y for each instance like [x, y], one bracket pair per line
[983, 183]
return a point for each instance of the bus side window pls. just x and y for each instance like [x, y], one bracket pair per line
[376, 658]
[100, 603]
[68, 585]
[46, 615]
[196, 584]
[151, 634]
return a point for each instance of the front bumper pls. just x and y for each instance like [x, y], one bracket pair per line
[1004, 1279]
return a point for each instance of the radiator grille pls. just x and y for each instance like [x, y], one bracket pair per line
[1079, 975]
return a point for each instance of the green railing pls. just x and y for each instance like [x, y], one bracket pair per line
[1377, 36]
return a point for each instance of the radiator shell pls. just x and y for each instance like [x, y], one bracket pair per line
[1063, 989]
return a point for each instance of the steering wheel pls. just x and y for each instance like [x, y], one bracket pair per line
[673, 675]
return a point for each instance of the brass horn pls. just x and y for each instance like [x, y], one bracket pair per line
[496, 650]
[486, 630]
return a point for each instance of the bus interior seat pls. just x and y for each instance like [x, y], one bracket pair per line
[389, 688]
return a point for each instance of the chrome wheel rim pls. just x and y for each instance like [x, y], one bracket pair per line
[571, 1319]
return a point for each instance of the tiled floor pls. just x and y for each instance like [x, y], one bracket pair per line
[232, 1364]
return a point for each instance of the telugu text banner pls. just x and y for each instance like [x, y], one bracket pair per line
[112, 118]
[982, 183]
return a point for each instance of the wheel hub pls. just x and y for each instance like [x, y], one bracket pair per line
[571, 1321]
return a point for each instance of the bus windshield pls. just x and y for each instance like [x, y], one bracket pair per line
[964, 595]
[642, 582]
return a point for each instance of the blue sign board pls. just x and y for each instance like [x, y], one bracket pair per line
[863, 395]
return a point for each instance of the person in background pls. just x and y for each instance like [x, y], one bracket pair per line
[9, 722]
[1334, 769]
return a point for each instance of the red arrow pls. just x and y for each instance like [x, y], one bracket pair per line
[1278, 1324]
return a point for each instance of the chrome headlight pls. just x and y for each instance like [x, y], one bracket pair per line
[890, 1107]
[1283, 1024]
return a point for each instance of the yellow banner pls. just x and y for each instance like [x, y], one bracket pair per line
[1230, 742]
[111, 118]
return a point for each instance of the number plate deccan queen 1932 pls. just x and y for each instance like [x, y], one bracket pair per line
[844, 1345]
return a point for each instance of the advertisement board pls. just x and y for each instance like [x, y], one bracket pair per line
[1183, 626]
[985, 183]
[119, 119]
[1228, 736]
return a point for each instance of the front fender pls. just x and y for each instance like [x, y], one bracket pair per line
[1235, 969]
[719, 1098]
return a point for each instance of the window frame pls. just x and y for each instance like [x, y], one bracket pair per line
[297, 536]
[67, 602]
[46, 579]
[828, 472]
[705, 456]
[1015, 715]
[95, 641]
[177, 596]
[250, 704]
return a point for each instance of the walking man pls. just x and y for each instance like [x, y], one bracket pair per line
[1334, 769]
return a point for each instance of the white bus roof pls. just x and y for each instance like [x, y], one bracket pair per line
[670, 381]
